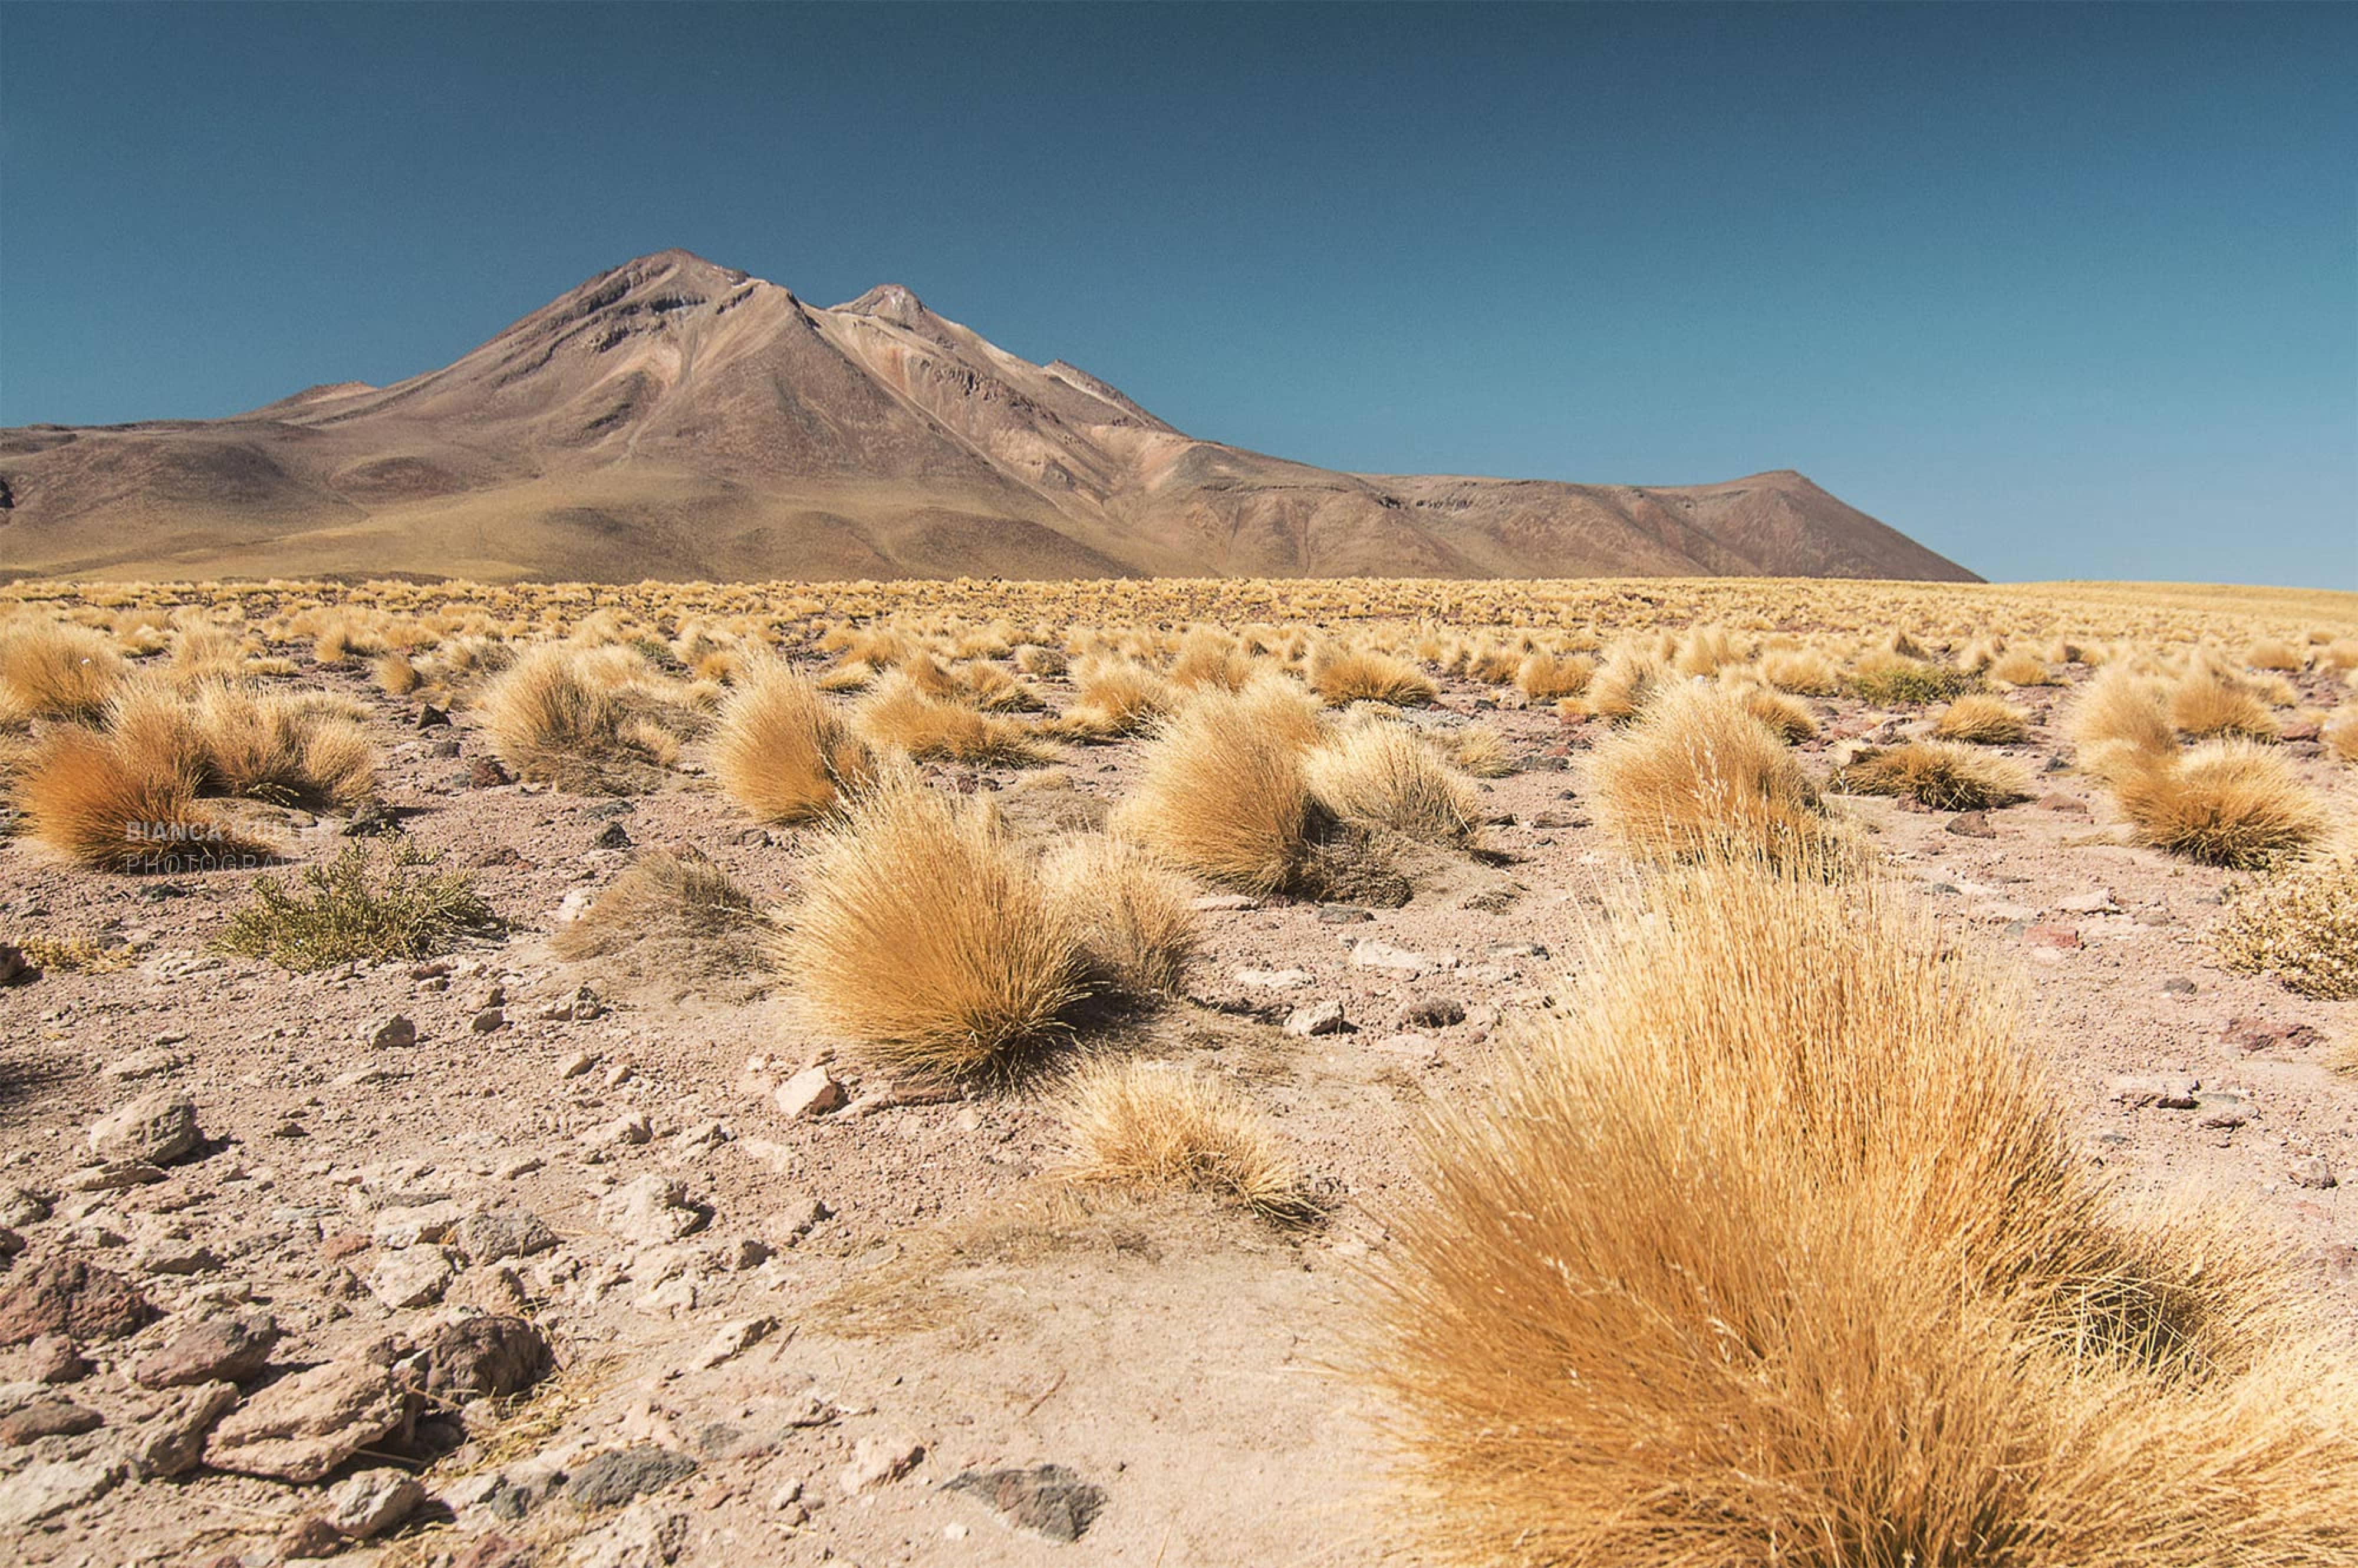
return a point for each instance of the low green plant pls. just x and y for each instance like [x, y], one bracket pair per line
[1893, 684]
[355, 908]
[2300, 925]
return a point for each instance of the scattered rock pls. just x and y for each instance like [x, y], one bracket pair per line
[308, 1538]
[1515, 950]
[628, 1128]
[1433, 1012]
[2056, 800]
[173, 1441]
[1383, 956]
[649, 1208]
[21, 1205]
[2247, 1034]
[1972, 825]
[412, 1277]
[15, 969]
[61, 1294]
[1342, 914]
[149, 1062]
[304, 1426]
[501, 1233]
[114, 1177]
[2310, 1170]
[38, 1491]
[430, 716]
[2177, 985]
[614, 837]
[1048, 1499]
[2221, 1109]
[392, 1032]
[410, 1225]
[222, 1350]
[157, 1128]
[731, 1340]
[811, 1092]
[2170, 1091]
[484, 773]
[485, 1358]
[2099, 901]
[1214, 901]
[2061, 937]
[614, 1477]
[1274, 980]
[51, 1360]
[1490, 901]
[1318, 1018]
[490, 1020]
[369, 1502]
[49, 1416]
[174, 1255]
[876, 1461]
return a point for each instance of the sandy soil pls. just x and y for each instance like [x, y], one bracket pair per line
[906, 1280]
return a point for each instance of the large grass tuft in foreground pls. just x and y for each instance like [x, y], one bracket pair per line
[1775, 1249]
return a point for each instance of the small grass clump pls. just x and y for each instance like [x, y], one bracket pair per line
[1979, 719]
[1938, 773]
[357, 907]
[1224, 794]
[59, 671]
[1698, 776]
[781, 751]
[2299, 924]
[1774, 1247]
[1386, 776]
[561, 716]
[1546, 678]
[900, 716]
[1150, 1126]
[106, 802]
[2340, 732]
[1893, 681]
[1131, 914]
[924, 934]
[668, 914]
[2121, 723]
[2207, 703]
[1341, 676]
[2224, 803]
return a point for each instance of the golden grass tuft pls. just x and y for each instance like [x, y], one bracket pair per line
[924, 934]
[2020, 667]
[1698, 777]
[2275, 654]
[1775, 1247]
[2120, 722]
[1150, 1126]
[899, 715]
[1625, 684]
[1938, 773]
[1544, 677]
[2340, 732]
[2224, 803]
[2206, 703]
[1132, 915]
[2299, 924]
[678, 913]
[282, 747]
[1476, 749]
[62, 671]
[1347, 675]
[1805, 672]
[1386, 776]
[781, 751]
[1982, 719]
[1789, 717]
[557, 716]
[103, 803]
[1114, 697]
[1224, 794]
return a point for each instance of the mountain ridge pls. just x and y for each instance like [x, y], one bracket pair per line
[673, 418]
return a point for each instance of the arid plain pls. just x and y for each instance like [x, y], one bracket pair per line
[1178, 1072]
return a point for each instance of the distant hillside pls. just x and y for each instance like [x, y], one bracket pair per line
[675, 419]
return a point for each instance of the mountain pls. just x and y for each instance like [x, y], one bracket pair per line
[672, 418]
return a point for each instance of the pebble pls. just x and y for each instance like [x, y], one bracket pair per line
[649, 1208]
[2170, 1091]
[149, 1063]
[2310, 1170]
[614, 1477]
[223, 1349]
[811, 1092]
[875, 1461]
[156, 1129]
[391, 1033]
[412, 1277]
[629, 1128]
[1318, 1018]
[1212, 902]
[1375, 955]
[1275, 979]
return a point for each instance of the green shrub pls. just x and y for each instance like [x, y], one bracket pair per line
[1888, 685]
[350, 909]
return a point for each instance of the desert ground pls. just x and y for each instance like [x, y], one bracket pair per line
[983, 1073]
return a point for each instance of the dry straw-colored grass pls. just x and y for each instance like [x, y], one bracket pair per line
[1544, 677]
[1698, 777]
[59, 670]
[923, 933]
[900, 716]
[89, 797]
[1981, 719]
[1775, 1247]
[1150, 1126]
[2206, 703]
[559, 716]
[1223, 794]
[2120, 722]
[1386, 776]
[1347, 675]
[696, 916]
[1939, 774]
[781, 751]
[2299, 924]
[2340, 732]
[2224, 803]
[1132, 915]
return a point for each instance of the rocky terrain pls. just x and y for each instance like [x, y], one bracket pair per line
[495, 1259]
[679, 419]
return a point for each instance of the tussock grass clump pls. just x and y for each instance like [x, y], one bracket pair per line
[1895, 681]
[306, 750]
[2121, 723]
[59, 670]
[924, 934]
[1385, 775]
[356, 907]
[1544, 677]
[668, 915]
[1789, 717]
[1805, 672]
[1938, 773]
[1115, 697]
[1625, 684]
[2340, 732]
[781, 751]
[2020, 667]
[1476, 750]
[1982, 719]
[2275, 654]
[99, 801]
[2206, 703]
[2224, 803]
[557, 716]
[396, 677]
[2300, 925]
[1132, 915]
[1776, 1247]
[900, 716]
[1698, 776]
[1224, 794]
[1345, 675]
[1151, 1127]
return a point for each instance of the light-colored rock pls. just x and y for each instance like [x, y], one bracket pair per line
[1275, 979]
[414, 1277]
[41, 1491]
[648, 1209]
[501, 1233]
[2099, 901]
[631, 1128]
[1317, 1018]
[410, 1225]
[304, 1426]
[389, 1032]
[2310, 1170]
[875, 1461]
[369, 1502]
[172, 1441]
[150, 1061]
[157, 1129]
[1385, 957]
[811, 1092]
[731, 1340]
[2171, 1091]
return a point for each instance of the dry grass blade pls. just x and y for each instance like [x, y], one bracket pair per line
[781, 751]
[1938, 773]
[1224, 794]
[2299, 924]
[1148, 1126]
[1384, 775]
[2224, 803]
[1981, 719]
[1698, 777]
[1133, 918]
[1343, 676]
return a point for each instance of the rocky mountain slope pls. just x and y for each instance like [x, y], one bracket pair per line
[673, 418]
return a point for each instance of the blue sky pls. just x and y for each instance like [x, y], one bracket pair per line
[2062, 291]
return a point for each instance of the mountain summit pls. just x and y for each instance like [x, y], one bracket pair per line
[675, 418]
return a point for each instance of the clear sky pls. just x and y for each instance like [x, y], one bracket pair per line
[2060, 290]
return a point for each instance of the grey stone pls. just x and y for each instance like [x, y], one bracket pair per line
[614, 1477]
[501, 1233]
[1046, 1499]
[173, 1440]
[157, 1128]
[1317, 1018]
